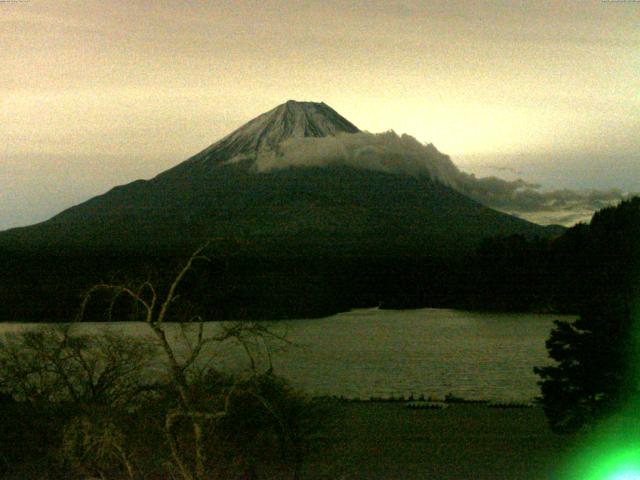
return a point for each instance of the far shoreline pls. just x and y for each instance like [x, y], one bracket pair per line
[329, 314]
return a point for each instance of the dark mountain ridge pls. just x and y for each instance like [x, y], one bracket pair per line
[338, 205]
[219, 193]
[302, 240]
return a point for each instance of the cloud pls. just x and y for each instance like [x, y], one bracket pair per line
[389, 152]
[530, 201]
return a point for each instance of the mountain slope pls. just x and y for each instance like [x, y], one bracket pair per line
[267, 131]
[301, 239]
[338, 205]
[220, 193]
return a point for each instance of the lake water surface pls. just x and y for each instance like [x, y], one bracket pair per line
[431, 352]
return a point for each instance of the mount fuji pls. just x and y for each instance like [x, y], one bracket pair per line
[300, 173]
[310, 214]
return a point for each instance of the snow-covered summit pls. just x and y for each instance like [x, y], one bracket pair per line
[266, 132]
[310, 134]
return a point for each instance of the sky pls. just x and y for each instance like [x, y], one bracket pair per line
[95, 94]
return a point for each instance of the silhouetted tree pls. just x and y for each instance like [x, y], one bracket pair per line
[596, 354]
[154, 307]
[123, 407]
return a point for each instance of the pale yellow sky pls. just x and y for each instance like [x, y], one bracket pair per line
[102, 92]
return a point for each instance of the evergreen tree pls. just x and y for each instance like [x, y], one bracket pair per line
[597, 353]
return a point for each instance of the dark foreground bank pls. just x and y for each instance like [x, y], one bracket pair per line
[464, 441]
[387, 440]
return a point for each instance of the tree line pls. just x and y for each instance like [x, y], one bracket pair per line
[597, 355]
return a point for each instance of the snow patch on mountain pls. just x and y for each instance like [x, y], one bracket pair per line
[267, 131]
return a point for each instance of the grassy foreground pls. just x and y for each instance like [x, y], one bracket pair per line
[372, 440]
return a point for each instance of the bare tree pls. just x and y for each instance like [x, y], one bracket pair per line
[114, 411]
[156, 312]
[54, 364]
[77, 377]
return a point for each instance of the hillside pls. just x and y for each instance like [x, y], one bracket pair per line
[306, 236]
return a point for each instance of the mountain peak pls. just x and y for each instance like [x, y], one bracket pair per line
[292, 119]
[298, 102]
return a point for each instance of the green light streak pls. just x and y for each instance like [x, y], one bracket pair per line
[627, 474]
[612, 450]
[608, 460]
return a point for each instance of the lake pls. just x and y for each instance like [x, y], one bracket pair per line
[372, 352]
